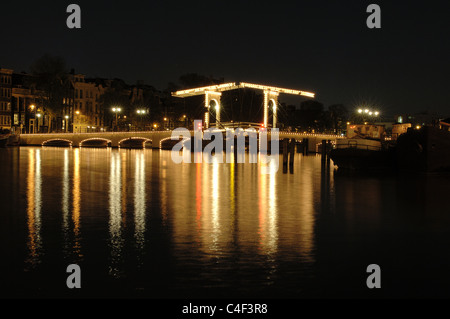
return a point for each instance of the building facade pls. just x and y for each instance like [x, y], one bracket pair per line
[88, 115]
[27, 106]
[5, 98]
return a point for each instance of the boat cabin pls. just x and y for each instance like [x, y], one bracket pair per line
[365, 131]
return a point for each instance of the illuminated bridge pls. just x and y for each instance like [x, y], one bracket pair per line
[153, 139]
[213, 93]
[158, 139]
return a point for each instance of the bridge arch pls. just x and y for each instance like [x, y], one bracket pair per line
[214, 103]
[57, 142]
[159, 138]
[95, 142]
[135, 142]
[172, 142]
[272, 108]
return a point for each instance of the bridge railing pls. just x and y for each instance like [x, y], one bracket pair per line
[92, 133]
[284, 133]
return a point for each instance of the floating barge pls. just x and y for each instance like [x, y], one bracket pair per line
[363, 154]
[424, 150]
[364, 149]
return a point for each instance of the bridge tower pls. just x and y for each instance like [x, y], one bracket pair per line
[212, 100]
[270, 102]
[213, 93]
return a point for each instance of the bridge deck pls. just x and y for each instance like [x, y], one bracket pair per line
[114, 139]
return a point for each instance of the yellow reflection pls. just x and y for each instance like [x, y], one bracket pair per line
[232, 195]
[76, 202]
[164, 194]
[124, 186]
[34, 192]
[115, 218]
[65, 193]
[198, 196]
[139, 200]
[65, 199]
[272, 213]
[267, 213]
[306, 188]
[208, 207]
[215, 204]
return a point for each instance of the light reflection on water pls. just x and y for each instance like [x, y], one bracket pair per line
[212, 208]
[115, 213]
[139, 202]
[65, 201]
[76, 203]
[134, 215]
[34, 201]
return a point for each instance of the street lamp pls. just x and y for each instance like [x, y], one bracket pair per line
[67, 122]
[77, 122]
[38, 116]
[32, 108]
[141, 112]
[367, 113]
[116, 110]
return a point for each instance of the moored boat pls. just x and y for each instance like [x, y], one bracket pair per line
[364, 149]
[424, 150]
[363, 154]
[3, 141]
[4, 137]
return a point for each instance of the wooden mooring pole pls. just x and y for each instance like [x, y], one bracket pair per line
[291, 155]
[305, 146]
[324, 149]
[285, 154]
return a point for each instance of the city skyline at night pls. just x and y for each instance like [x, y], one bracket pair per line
[215, 158]
[325, 48]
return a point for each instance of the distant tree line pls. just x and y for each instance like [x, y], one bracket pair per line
[311, 116]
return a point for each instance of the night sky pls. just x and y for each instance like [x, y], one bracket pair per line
[319, 46]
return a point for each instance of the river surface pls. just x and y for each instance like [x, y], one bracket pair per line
[140, 225]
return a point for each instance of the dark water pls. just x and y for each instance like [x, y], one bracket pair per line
[140, 225]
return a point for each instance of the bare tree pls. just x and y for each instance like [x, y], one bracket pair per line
[51, 79]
